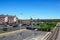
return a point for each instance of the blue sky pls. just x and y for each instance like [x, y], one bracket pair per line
[25, 9]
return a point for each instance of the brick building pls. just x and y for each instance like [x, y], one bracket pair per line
[29, 21]
[8, 19]
[25, 21]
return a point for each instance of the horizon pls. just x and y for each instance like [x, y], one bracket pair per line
[36, 9]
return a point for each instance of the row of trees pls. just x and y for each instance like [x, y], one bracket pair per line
[45, 26]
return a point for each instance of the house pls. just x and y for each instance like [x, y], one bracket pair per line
[29, 22]
[25, 21]
[7, 19]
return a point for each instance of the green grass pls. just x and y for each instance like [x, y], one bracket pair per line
[47, 26]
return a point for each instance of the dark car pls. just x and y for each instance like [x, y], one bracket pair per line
[15, 25]
[26, 24]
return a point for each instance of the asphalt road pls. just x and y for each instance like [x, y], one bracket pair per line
[24, 35]
[58, 37]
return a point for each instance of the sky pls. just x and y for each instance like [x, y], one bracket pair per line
[26, 9]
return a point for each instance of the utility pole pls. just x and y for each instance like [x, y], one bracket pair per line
[31, 20]
[20, 26]
[20, 20]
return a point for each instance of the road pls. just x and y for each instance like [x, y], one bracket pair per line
[58, 37]
[24, 35]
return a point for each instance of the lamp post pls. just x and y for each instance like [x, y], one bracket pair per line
[20, 26]
[20, 21]
[31, 21]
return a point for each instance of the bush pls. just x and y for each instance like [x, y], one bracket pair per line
[47, 26]
[4, 29]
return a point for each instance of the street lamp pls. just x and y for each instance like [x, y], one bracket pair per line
[31, 21]
[20, 21]
[20, 26]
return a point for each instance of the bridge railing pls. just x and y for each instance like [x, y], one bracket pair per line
[51, 35]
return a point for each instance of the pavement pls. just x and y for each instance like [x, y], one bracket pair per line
[22, 35]
[58, 36]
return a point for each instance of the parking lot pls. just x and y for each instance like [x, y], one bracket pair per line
[24, 35]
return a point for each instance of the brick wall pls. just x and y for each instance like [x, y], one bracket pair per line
[10, 20]
[1, 20]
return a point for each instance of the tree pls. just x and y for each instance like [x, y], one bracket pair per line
[38, 21]
[31, 20]
[19, 21]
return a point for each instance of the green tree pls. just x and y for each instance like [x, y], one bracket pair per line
[47, 26]
[19, 21]
[31, 20]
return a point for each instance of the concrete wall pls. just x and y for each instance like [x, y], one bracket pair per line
[51, 35]
[55, 33]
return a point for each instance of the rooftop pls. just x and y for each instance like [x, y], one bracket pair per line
[2, 15]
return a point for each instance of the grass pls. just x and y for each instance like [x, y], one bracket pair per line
[47, 26]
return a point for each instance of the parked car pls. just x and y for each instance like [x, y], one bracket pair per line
[24, 24]
[15, 25]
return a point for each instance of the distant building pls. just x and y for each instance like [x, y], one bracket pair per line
[29, 22]
[8, 19]
[25, 21]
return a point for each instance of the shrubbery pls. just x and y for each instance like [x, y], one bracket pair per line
[48, 26]
[4, 29]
